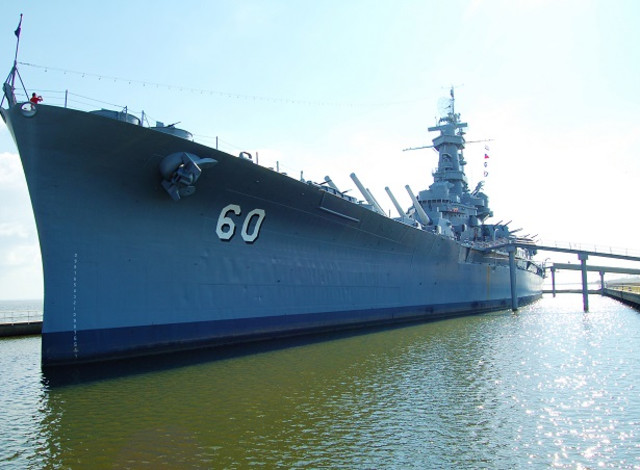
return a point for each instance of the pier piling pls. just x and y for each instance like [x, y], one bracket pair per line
[585, 288]
[512, 272]
[583, 255]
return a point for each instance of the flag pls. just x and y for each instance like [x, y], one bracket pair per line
[19, 28]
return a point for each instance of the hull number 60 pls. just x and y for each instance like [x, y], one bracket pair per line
[226, 227]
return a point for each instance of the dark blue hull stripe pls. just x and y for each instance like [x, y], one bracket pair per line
[93, 345]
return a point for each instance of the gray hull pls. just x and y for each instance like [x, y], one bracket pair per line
[252, 254]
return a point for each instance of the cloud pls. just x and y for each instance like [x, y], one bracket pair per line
[13, 229]
[20, 262]
[11, 175]
[24, 255]
[22, 282]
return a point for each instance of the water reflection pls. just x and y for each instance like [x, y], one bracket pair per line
[549, 386]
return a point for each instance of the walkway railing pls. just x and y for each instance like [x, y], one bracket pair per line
[635, 288]
[21, 316]
[590, 248]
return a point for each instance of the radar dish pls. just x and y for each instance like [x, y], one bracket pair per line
[444, 106]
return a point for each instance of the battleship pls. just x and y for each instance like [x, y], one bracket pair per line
[152, 242]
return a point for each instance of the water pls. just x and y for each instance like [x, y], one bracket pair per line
[549, 386]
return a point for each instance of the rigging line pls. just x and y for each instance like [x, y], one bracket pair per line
[59, 92]
[225, 94]
[97, 101]
[222, 141]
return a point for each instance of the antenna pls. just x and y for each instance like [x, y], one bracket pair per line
[418, 148]
[478, 141]
[453, 101]
[432, 146]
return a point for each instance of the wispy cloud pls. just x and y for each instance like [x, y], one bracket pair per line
[11, 175]
[14, 230]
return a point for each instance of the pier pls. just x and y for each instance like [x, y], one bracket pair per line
[629, 295]
[22, 328]
[583, 254]
[22, 323]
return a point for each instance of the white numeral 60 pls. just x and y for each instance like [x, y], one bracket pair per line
[226, 226]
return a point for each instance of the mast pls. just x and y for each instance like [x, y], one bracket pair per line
[449, 145]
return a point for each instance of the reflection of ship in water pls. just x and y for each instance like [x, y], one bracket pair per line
[152, 242]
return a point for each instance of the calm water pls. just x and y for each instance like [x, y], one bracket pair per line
[547, 387]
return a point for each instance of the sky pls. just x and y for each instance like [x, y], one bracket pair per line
[338, 86]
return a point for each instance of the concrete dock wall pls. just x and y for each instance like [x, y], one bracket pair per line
[20, 328]
[628, 296]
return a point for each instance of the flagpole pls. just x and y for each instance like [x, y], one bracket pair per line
[15, 59]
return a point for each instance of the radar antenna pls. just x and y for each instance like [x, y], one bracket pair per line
[447, 112]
